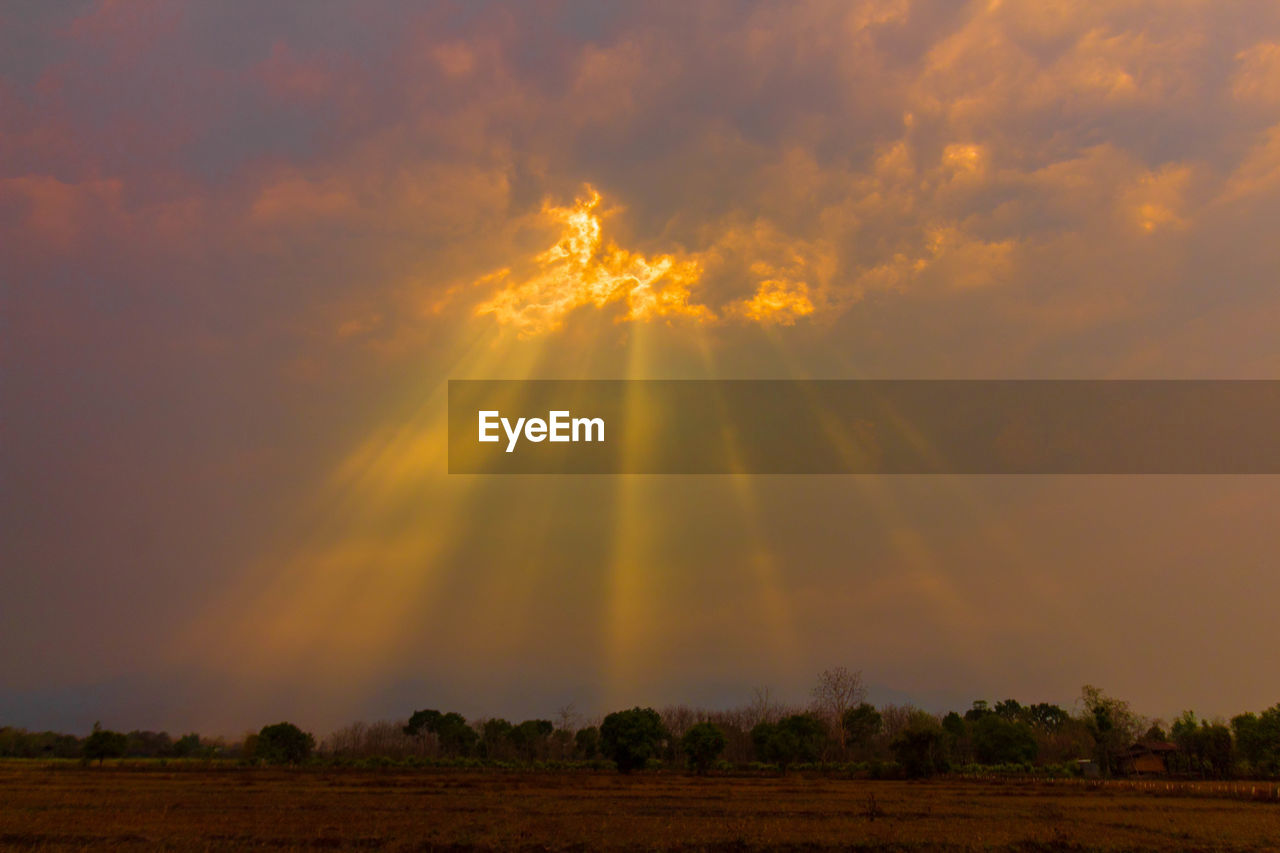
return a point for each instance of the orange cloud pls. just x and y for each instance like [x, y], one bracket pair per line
[580, 269]
[298, 199]
[1258, 174]
[778, 302]
[1157, 198]
[1258, 78]
[57, 212]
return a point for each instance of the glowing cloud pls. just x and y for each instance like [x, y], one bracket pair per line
[778, 302]
[581, 269]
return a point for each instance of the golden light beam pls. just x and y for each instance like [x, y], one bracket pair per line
[925, 570]
[630, 580]
[357, 570]
[927, 575]
[770, 590]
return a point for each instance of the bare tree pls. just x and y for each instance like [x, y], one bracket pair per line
[895, 718]
[364, 740]
[837, 691]
[567, 718]
[678, 719]
[763, 709]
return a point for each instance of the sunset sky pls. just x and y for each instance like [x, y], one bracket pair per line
[244, 246]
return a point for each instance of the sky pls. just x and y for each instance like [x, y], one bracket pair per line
[244, 246]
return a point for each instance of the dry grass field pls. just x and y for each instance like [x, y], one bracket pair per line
[221, 808]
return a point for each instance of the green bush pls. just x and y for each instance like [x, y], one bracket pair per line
[283, 743]
[631, 738]
[920, 749]
[798, 738]
[703, 744]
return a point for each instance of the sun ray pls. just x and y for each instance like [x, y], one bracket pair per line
[358, 570]
[771, 594]
[631, 583]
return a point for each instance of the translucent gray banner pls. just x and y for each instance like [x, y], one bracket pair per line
[864, 427]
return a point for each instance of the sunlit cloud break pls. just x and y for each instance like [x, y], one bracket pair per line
[583, 269]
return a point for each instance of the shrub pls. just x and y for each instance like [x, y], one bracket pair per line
[283, 743]
[920, 749]
[798, 738]
[703, 744]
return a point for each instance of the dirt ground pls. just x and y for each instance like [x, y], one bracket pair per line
[72, 807]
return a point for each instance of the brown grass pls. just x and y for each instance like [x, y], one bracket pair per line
[123, 808]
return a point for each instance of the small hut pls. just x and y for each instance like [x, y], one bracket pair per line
[1147, 758]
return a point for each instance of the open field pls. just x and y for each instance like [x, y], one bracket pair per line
[73, 807]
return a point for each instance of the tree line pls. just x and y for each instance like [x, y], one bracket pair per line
[838, 728]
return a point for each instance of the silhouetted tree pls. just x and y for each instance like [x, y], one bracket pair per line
[1009, 709]
[495, 738]
[861, 724]
[1217, 749]
[1050, 718]
[793, 739]
[186, 746]
[149, 744]
[103, 743]
[958, 741]
[1257, 738]
[703, 743]
[763, 708]
[530, 738]
[1155, 733]
[453, 734]
[1113, 726]
[1185, 733]
[631, 738]
[20, 743]
[587, 742]
[422, 722]
[283, 743]
[1205, 747]
[838, 690]
[1001, 739]
[920, 747]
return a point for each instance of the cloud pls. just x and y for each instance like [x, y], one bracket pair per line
[299, 199]
[55, 213]
[779, 302]
[1258, 172]
[581, 269]
[1257, 80]
[946, 146]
